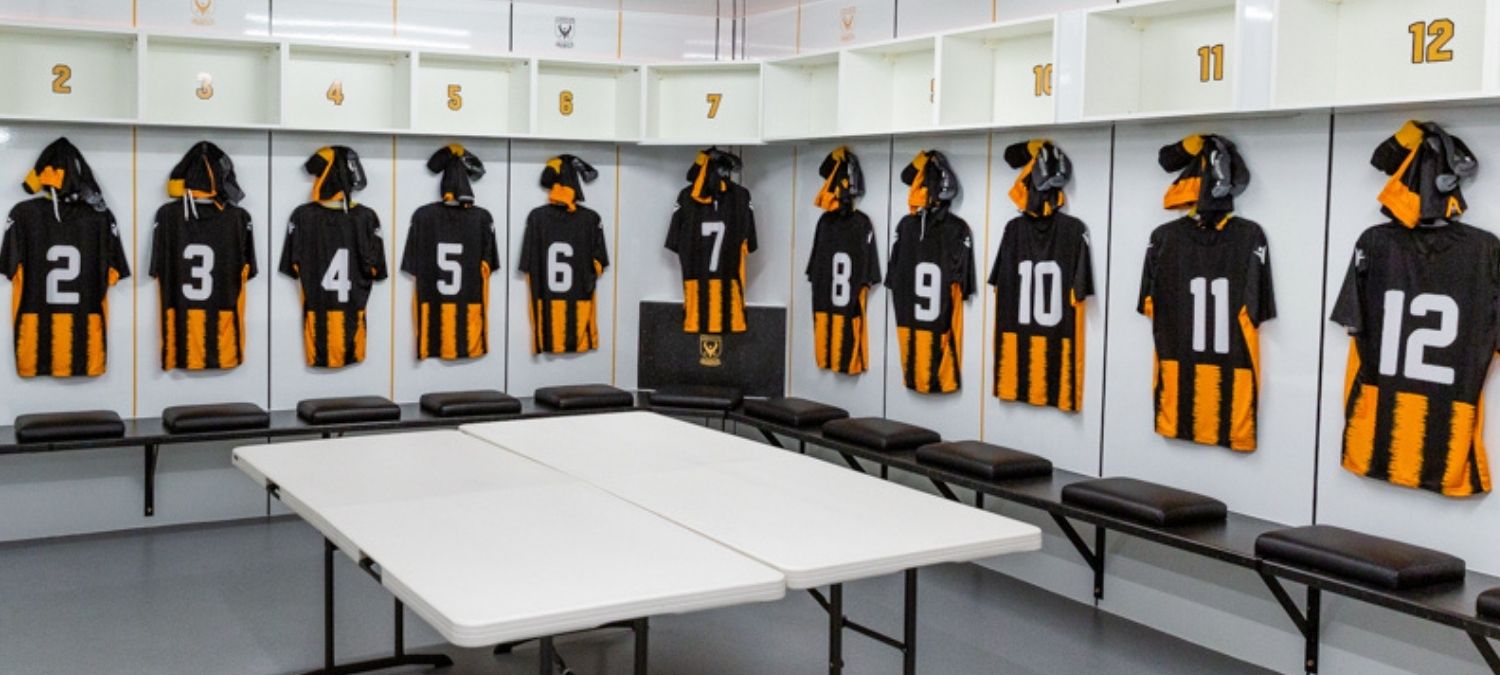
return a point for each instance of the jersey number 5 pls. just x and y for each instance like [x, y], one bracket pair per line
[447, 262]
[1420, 339]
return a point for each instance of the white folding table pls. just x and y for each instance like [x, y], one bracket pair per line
[488, 546]
[816, 523]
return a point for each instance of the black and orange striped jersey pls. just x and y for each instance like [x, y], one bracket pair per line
[562, 255]
[931, 275]
[201, 265]
[450, 253]
[1207, 289]
[712, 242]
[844, 264]
[337, 255]
[1043, 274]
[1421, 308]
[61, 259]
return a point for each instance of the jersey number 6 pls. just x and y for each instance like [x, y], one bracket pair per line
[560, 267]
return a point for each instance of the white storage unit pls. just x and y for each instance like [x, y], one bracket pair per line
[703, 104]
[999, 76]
[472, 94]
[802, 97]
[194, 81]
[1159, 58]
[1374, 51]
[52, 74]
[587, 101]
[889, 87]
[347, 89]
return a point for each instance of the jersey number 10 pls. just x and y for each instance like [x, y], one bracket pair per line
[1035, 302]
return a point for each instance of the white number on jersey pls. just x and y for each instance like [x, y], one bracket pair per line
[560, 267]
[447, 262]
[714, 229]
[929, 298]
[67, 272]
[1421, 339]
[336, 279]
[202, 286]
[843, 271]
[1219, 289]
[1035, 300]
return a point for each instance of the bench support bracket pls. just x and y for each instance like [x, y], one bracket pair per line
[550, 662]
[1486, 651]
[833, 604]
[944, 490]
[854, 463]
[153, 452]
[771, 438]
[1307, 621]
[1094, 557]
[399, 657]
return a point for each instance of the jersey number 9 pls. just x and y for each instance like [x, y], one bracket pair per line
[929, 298]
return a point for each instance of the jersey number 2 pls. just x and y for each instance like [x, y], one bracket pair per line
[69, 270]
[1443, 336]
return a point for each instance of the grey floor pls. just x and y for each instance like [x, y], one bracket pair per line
[247, 598]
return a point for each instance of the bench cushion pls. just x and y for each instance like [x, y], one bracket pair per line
[584, 397]
[467, 403]
[982, 460]
[1357, 556]
[1489, 604]
[191, 419]
[880, 433]
[68, 426]
[348, 410]
[1143, 502]
[793, 412]
[698, 397]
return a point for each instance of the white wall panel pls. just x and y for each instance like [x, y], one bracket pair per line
[930, 16]
[529, 371]
[1070, 440]
[477, 25]
[772, 34]
[214, 17]
[367, 22]
[1008, 10]
[652, 36]
[415, 188]
[108, 152]
[160, 150]
[955, 415]
[291, 378]
[95, 13]
[769, 270]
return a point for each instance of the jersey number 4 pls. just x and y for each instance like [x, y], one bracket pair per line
[1420, 339]
[336, 278]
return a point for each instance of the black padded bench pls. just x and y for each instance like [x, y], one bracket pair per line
[689, 400]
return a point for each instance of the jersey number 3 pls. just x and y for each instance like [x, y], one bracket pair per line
[1420, 339]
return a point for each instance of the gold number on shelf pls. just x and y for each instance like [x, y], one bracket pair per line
[1435, 51]
[932, 90]
[336, 92]
[713, 104]
[205, 88]
[1043, 74]
[1211, 63]
[455, 97]
[61, 73]
[565, 103]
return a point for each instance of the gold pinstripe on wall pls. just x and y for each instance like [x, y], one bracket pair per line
[987, 330]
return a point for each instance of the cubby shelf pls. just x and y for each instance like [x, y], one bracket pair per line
[1144, 59]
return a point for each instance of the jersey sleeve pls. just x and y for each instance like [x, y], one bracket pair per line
[11, 248]
[291, 258]
[1260, 296]
[894, 267]
[372, 250]
[871, 273]
[1346, 310]
[158, 251]
[1083, 269]
[1148, 278]
[966, 274]
[674, 229]
[115, 252]
[528, 242]
[409, 264]
[491, 243]
[601, 246]
[750, 243]
[247, 248]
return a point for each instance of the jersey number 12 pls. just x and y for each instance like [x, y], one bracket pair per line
[1420, 339]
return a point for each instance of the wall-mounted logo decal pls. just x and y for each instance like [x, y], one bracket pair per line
[846, 22]
[202, 12]
[564, 32]
[711, 350]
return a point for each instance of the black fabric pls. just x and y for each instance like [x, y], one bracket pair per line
[843, 181]
[465, 403]
[68, 426]
[563, 254]
[205, 172]
[337, 255]
[347, 409]
[696, 396]
[189, 419]
[337, 174]
[713, 237]
[880, 433]
[931, 277]
[63, 174]
[1212, 174]
[563, 178]
[1359, 557]
[793, 412]
[202, 258]
[1144, 502]
[451, 251]
[1489, 604]
[457, 168]
[584, 397]
[1426, 165]
[843, 265]
[982, 460]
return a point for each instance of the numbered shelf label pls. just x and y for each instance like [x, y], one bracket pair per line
[703, 103]
[889, 87]
[212, 82]
[53, 74]
[1377, 51]
[588, 101]
[471, 94]
[348, 89]
[1007, 75]
[1160, 58]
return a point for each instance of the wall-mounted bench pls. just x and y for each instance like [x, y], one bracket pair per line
[1460, 601]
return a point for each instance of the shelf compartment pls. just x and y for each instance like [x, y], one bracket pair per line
[1159, 58]
[690, 103]
[802, 96]
[587, 101]
[1001, 75]
[347, 89]
[61, 74]
[1373, 51]
[211, 82]
[469, 94]
[889, 87]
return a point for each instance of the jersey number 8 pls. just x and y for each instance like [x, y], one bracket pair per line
[843, 270]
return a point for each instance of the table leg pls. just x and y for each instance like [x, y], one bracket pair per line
[836, 629]
[909, 635]
[642, 627]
